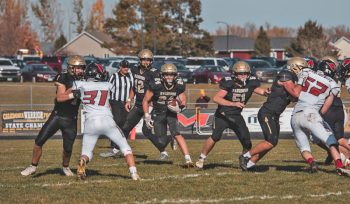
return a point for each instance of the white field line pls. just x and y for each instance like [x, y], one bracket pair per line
[252, 197]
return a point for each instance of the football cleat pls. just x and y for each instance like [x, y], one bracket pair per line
[67, 172]
[135, 177]
[30, 170]
[200, 164]
[110, 154]
[189, 163]
[343, 172]
[81, 171]
[313, 167]
[164, 156]
[243, 161]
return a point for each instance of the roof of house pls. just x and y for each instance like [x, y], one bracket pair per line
[243, 43]
[98, 36]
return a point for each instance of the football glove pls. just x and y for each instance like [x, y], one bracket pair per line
[176, 109]
[148, 120]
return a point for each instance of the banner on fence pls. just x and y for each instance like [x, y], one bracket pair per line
[23, 121]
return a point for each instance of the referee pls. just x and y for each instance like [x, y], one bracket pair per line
[122, 82]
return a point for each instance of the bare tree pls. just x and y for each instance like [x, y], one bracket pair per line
[78, 10]
[47, 11]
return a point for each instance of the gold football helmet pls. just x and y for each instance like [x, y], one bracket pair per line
[76, 65]
[145, 54]
[296, 64]
[168, 69]
[76, 60]
[241, 67]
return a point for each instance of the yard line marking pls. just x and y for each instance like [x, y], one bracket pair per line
[191, 176]
[263, 197]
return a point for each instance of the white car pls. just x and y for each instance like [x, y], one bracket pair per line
[113, 65]
[8, 71]
[194, 63]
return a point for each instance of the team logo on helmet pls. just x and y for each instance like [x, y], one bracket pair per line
[296, 64]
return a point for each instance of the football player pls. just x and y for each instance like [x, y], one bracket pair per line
[315, 92]
[269, 115]
[63, 117]
[335, 115]
[94, 94]
[168, 98]
[142, 74]
[234, 93]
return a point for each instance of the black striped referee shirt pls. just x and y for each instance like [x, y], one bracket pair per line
[121, 86]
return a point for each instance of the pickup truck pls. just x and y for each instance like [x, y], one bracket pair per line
[9, 72]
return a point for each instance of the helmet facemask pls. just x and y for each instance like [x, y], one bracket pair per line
[77, 71]
[242, 77]
[145, 63]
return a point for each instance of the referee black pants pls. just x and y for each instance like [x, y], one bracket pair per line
[119, 115]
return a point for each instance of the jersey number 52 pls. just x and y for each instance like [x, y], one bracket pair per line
[316, 89]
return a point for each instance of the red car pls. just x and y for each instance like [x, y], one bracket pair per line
[38, 73]
[55, 62]
[209, 74]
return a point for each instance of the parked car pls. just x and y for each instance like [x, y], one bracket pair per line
[231, 61]
[271, 60]
[113, 65]
[38, 73]
[31, 59]
[194, 63]
[209, 74]
[183, 72]
[263, 70]
[9, 72]
[55, 62]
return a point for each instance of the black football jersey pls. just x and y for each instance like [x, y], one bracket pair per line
[141, 82]
[236, 92]
[162, 95]
[337, 102]
[67, 108]
[279, 98]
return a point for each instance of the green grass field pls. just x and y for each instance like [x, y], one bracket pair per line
[281, 177]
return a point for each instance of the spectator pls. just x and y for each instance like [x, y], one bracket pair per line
[203, 100]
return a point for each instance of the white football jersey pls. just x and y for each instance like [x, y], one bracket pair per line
[94, 97]
[316, 87]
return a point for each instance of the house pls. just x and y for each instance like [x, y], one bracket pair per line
[343, 46]
[88, 43]
[242, 47]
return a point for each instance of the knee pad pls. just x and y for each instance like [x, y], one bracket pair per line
[126, 152]
[331, 141]
[215, 137]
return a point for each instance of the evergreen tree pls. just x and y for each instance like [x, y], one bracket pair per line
[262, 43]
[60, 41]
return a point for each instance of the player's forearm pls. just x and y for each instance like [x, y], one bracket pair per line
[327, 104]
[131, 95]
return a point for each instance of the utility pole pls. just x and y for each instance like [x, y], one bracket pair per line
[227, 34]
[142, 22]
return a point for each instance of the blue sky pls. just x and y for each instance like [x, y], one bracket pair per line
[283, 13]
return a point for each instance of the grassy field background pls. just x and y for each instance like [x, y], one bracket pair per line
[281, 177]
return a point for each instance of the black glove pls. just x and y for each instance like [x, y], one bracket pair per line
[76, 94]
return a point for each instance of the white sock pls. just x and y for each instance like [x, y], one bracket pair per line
[202, 157]
[250, 164]
[132, 170]
[164, 152]
[247, 154]
[115, 151]
[187, 157]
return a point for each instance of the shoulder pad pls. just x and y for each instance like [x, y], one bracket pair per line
[179, 81]
[153, 69]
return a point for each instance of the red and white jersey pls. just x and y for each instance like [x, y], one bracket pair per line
[316, 87]
[94, 97]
